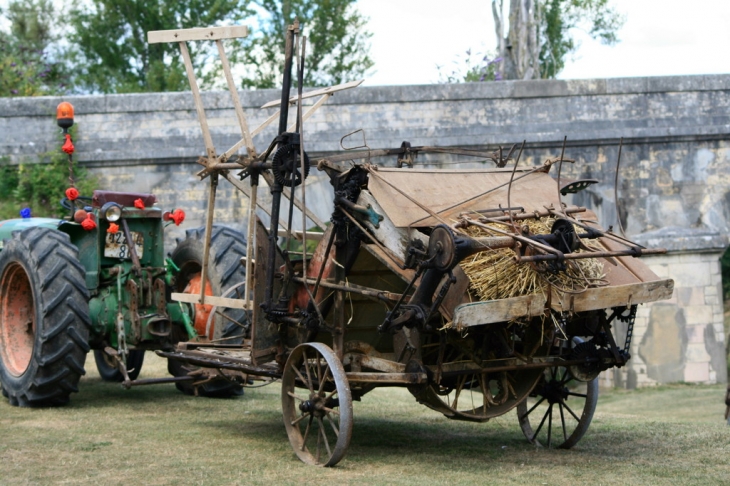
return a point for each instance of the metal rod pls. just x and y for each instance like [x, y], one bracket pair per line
[560, 169]
[132, 248]
[636, 252]
[511, 178]
[615, 188]
[355, 289]
[156, 381]
[276, 187]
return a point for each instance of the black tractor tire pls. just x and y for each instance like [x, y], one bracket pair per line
[44, 318]
[225, 274]
[108, 370]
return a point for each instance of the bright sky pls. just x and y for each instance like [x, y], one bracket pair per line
[659, 38]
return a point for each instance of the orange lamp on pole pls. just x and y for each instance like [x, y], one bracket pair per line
[65, 115]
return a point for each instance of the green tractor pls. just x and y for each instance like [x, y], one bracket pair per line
[99, 280]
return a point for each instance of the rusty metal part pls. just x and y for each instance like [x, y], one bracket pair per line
[520, 216]
[635, 252]
[316, 404]
[156, 381]
[574, 187]
[355, 289]
[208, 360]
[615, 188]
[132, 247]
[133, 293]
[18, 324]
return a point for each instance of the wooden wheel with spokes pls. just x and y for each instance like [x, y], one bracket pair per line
[317, 404]
[560, 406]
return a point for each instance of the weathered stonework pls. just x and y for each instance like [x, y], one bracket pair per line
[680, 339]
[673, 186]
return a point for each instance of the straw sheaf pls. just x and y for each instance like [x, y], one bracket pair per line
[495, 274]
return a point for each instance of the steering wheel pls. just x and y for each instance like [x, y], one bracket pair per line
[77, 203]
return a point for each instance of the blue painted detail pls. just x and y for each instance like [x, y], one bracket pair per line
[374, 217]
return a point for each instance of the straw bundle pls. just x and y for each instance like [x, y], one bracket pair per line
[495, 274]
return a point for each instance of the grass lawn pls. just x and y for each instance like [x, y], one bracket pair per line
[155, 435]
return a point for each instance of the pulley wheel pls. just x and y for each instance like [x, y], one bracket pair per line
[287, 166]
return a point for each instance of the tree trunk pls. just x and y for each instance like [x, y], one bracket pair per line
[520, 49]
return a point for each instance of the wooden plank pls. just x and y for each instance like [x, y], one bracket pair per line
[479, 313]
[298, 235]
[632, 264]
[264, 335]
[209, 300]
[405, 274]
[209, 33]
[309, 111]
[317, 92]
[387, 378]
[240, 115]
[607, 297]
[210, 149]
[491, 311]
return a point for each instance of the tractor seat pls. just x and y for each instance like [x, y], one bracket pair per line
[125, 199]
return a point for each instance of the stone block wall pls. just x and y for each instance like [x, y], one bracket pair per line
[681, 339]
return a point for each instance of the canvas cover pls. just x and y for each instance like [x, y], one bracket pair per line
[450, 192]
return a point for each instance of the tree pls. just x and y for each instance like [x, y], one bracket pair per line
[337, 42]
[28, 65]
[111, 50]
[38, 182]
[471, 67]
[112, 55]
[540, 33]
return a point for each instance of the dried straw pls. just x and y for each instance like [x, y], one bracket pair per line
[495, 274]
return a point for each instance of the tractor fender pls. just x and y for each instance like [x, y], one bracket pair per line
[10, 226]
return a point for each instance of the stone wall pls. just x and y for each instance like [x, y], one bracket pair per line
[681, 339]
[673, 185]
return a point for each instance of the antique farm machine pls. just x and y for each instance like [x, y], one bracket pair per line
[479, 291]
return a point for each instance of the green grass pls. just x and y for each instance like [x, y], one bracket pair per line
[155, 435]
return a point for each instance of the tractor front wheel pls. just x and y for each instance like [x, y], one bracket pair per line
[44, 318]
[107, 366]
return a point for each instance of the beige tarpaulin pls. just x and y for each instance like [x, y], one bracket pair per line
[450, 192]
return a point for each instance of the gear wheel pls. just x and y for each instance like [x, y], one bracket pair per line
[588, 370]
[286, 162]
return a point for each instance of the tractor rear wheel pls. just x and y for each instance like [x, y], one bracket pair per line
[225, 273]
[44, 318]
[108, 370]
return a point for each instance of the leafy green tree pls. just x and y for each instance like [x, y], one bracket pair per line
[471, 67]
[111, 50]
[111, 53]
[40, 184]
[541, 33]
[337, 42]
[560, 17]
[28, 65]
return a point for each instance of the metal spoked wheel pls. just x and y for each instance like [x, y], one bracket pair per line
[560, 407]
[317, 404]
[473, 394]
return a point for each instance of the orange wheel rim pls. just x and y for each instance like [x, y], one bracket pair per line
[17, 319]
[202, 312]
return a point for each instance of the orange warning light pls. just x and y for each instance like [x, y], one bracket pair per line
[65, 115]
